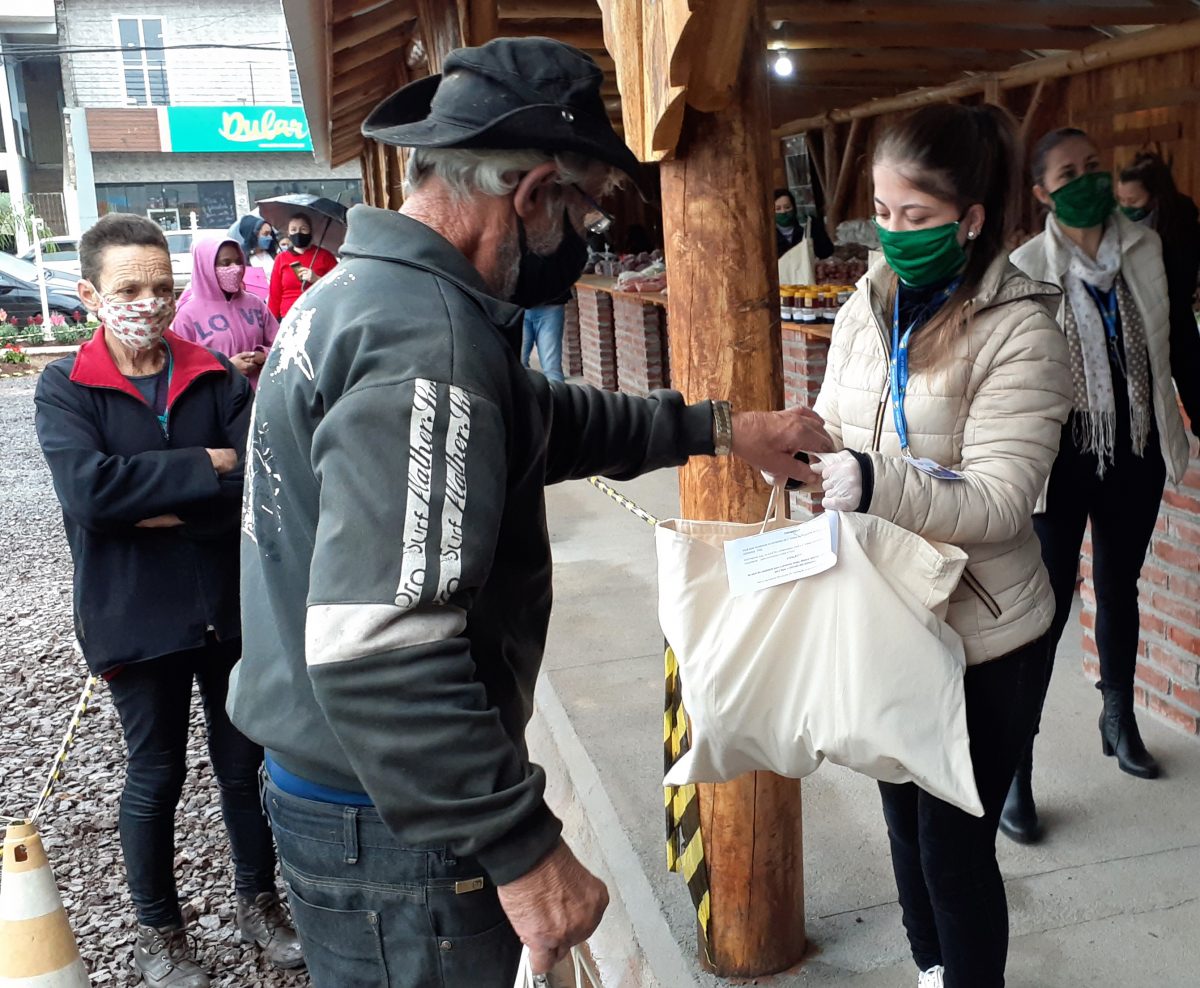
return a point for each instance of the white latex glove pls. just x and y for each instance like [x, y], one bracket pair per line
[841, 480]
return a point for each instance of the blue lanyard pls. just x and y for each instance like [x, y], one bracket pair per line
[899, 362]
[1107, 304]
[162, 419]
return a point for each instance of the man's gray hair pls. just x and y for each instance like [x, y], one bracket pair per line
[469, 171]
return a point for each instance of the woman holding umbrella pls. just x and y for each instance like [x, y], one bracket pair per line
[298, 270]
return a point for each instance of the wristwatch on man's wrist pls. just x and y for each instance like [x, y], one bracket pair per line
[722, 428]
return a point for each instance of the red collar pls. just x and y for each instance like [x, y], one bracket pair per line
[95, 368]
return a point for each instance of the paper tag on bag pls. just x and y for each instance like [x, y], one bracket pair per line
[785, 555]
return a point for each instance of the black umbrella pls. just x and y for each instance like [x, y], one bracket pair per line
[328, 218]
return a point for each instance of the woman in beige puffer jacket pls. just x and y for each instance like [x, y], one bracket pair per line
[982, 407]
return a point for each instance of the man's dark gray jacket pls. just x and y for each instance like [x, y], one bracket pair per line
[395, 558]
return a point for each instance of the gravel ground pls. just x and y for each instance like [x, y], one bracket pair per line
[44, 677]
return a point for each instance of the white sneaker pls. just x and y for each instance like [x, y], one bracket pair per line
[931, 978]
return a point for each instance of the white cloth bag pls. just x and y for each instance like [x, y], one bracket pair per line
[585, 972]
[854, 664]
[798, 266]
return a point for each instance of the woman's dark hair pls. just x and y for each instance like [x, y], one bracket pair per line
[1041, 150]
[248, 227]
[301, 216]
[784, 192]
[1171, 214]
[116, 230]
[964, 155]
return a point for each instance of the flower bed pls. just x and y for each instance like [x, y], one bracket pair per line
[30, 333]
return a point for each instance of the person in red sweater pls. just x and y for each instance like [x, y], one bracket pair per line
[298, 269]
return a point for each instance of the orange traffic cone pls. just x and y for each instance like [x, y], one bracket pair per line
[37, 947]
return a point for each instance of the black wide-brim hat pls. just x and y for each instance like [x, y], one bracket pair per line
[509, 94]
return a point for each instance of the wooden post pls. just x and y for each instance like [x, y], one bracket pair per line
[724, 340]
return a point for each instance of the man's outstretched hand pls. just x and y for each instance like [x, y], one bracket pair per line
[771, 440]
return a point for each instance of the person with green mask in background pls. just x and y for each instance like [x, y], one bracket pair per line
[789, 227]
[1124, 437]
[946, 390]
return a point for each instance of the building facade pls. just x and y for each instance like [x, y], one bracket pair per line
[31, 133]
[184, 112]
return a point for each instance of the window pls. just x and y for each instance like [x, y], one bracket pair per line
[293, 75]
[143, 60]
[212, 202]
[346, 191]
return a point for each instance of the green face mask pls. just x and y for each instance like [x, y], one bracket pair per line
[1085, 201]
[923, 257]
[1136, 213]
[786, 219]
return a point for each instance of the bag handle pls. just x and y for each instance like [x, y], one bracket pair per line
[586, 975]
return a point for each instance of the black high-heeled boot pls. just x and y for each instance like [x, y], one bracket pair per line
[1119, 735]
[1019, 819]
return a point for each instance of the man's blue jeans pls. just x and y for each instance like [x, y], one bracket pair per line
[373, 914]
[544, 328]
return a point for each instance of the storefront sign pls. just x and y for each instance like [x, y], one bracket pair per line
[236, 128]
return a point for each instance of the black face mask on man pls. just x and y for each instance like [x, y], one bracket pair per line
[545, 278]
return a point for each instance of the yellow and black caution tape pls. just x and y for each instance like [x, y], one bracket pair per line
[64, 749]
[685, 846]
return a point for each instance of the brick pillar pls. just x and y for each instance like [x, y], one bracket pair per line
[1168, 668]
[638, 327]
[597, 342]
[572, 357]
[804, 361]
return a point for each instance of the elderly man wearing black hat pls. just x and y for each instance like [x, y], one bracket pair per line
[395, 560]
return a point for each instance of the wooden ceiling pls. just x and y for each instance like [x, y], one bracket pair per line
[843, 52]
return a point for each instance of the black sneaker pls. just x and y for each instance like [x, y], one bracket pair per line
[264, 921]
[166, 958]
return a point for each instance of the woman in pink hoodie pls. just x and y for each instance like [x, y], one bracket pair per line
[220, 314]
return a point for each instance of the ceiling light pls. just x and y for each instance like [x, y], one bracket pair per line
[783, 65]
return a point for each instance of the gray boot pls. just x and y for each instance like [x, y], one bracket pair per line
[166, 958]
[264, 921]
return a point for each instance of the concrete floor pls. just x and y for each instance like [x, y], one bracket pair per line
[1112, 897]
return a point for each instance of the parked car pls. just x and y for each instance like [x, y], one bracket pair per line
[179, 242]
[21, 297]
[58, 254]
[23, 270]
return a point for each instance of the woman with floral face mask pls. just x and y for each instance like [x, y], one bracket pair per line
[947, 385]
[220, 313]
[1125, 435]
[144, 432]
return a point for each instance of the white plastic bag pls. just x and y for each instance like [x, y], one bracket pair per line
[854, 664]
[586, 975]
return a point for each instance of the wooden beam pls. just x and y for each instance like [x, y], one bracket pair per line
[440, 30]
[725, 343]
[1011, 12]
[830, 158]
[950, 63]
[352, 58]
[1113, 51]
[581, 34]
[343, 10]
[366, 27]
[836, 203]
[809, 37]
[480, 20]
[351, 103]
[381, 67]
[530, 10]
[1031, 112]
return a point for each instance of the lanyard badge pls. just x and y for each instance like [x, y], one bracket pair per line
[899, 388]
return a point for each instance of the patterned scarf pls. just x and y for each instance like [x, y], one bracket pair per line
[1095, 421]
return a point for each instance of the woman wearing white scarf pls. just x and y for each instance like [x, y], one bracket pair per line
[1123, 439]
